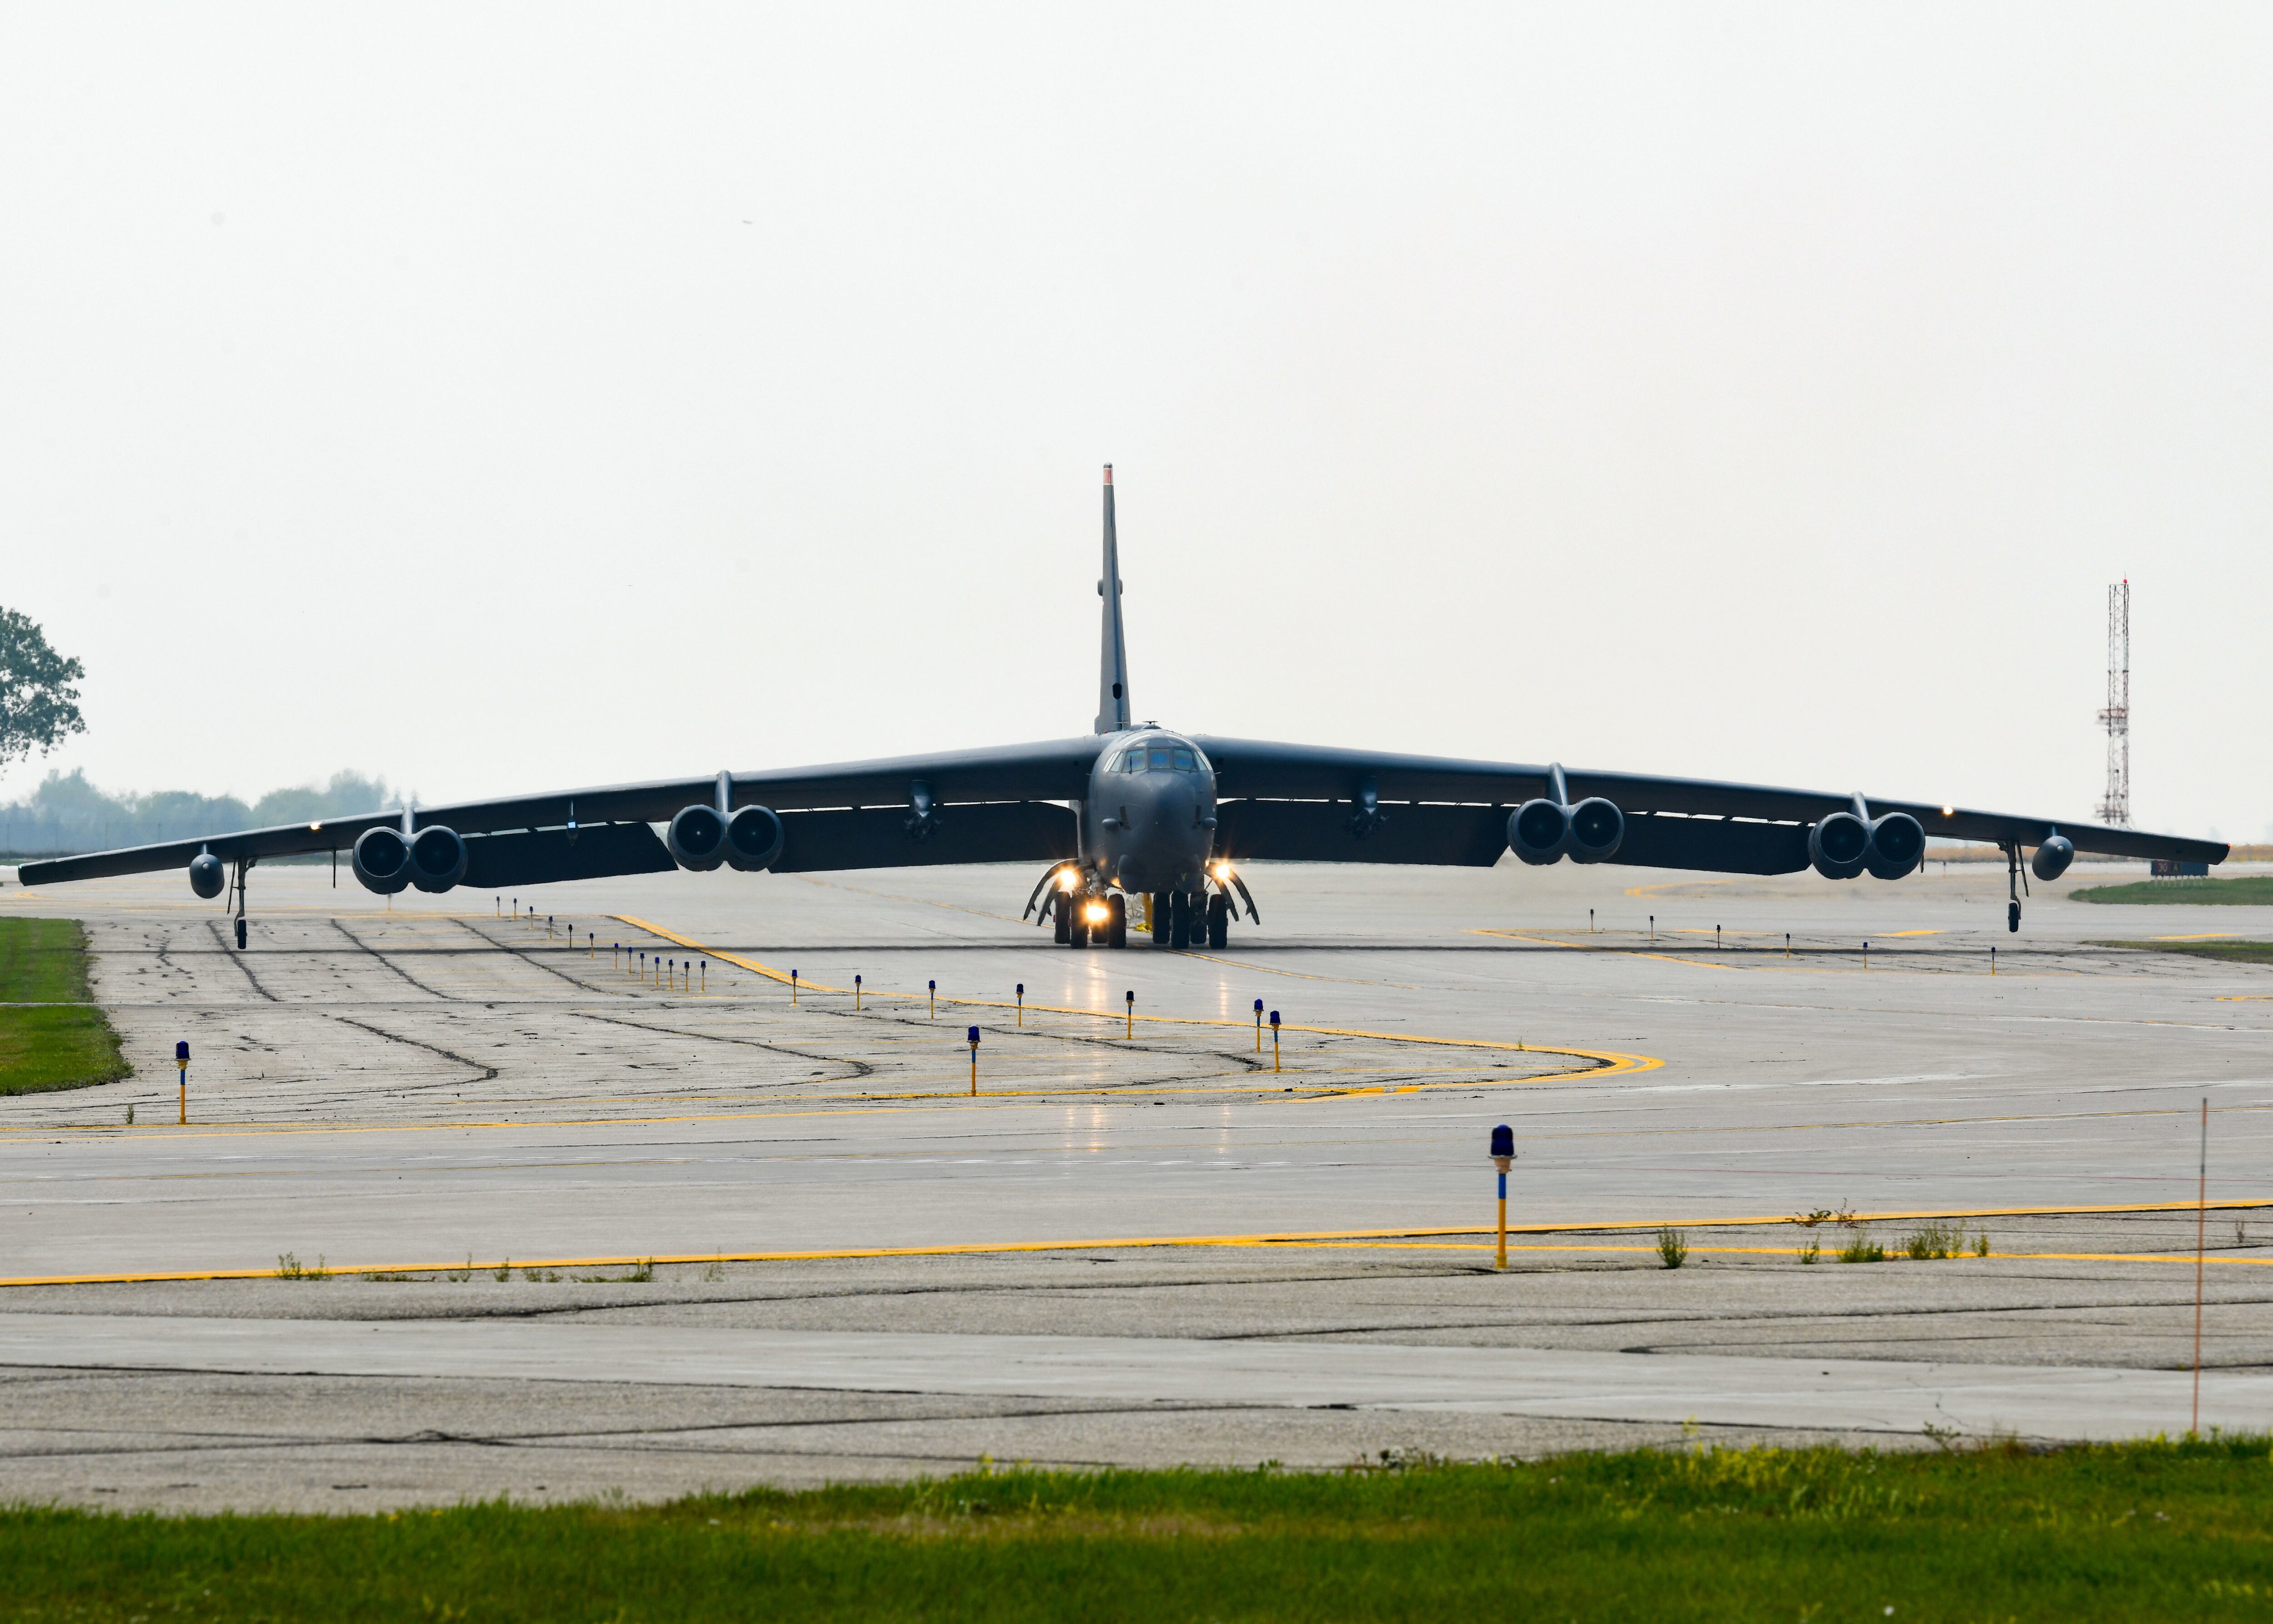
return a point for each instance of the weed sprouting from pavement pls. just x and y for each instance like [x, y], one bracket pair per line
[461, 1275]
[1812, 1250]
[1862, 1249]
[1672, 1247]
[289, 1268]
[503, 1270]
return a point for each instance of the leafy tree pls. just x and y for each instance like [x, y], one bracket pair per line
[39, 706]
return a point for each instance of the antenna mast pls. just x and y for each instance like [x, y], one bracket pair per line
[2115, 806]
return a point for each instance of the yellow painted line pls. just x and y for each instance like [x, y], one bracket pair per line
[1914, 933]
[1615, 1063]
[1827, 1257]
[1299, 975]
[1289, 1239]
[1651, 891]
[2207, 935]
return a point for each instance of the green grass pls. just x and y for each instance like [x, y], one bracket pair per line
[2232, 952]
[2252, 889]
[67, 1044]
[2145, 1531]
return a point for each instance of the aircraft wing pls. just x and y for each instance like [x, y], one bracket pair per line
[1301, 802]
[992, 805]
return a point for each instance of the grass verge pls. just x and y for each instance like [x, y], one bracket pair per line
[2256, 888]
[2230, 953]
[65, 1041]
[2146, 1530]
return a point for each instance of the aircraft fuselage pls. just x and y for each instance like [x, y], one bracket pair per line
[1149, 823]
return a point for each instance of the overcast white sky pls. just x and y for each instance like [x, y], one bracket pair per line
[511, 397]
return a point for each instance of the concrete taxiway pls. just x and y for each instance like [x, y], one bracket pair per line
[1139, 1241]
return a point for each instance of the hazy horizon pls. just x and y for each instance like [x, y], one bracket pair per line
[508, 398]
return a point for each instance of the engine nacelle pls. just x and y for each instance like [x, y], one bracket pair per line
[381, 860]
[2053, 857]
[1897, 846]
[437, 858]
[753, 838]
[1596, 828]
[1838, 846]
[697, 839]
[206, 875]
[1538, 831]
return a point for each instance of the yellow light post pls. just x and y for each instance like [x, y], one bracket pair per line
[934, 989]
[1130, 998]
[1022, 1006]
[792, 987]
[1258, 1025]
[856, 992]
[1274, 1042]
[974, 1061]
[182, 1060]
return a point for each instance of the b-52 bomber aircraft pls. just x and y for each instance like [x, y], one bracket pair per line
[1131, 810]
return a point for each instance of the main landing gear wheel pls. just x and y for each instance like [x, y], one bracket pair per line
[1116, 922]
[1077, 907]
[1161, 912]
[1180, 920]
[1061, 916]
[1219, 921]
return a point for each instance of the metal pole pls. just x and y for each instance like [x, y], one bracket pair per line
[2202, 1229]
[1022, 1005]
[1130, 997]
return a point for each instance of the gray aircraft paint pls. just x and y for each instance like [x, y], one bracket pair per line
[1113, 675]
[1053, 801]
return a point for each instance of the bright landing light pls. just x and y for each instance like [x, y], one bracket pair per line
[1098, 913]
[1223, 873]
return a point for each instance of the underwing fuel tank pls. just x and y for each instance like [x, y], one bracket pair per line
[206, 877]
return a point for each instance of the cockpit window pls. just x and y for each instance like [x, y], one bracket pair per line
[1161, 758]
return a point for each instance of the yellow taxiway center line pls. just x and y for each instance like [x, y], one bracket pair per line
[1292, 1238]
[1613, 1063]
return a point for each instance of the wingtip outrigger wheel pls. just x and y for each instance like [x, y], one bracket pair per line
[2013, 884]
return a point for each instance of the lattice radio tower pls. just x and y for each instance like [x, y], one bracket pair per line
[2115, 807]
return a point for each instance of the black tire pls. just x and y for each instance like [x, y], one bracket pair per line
[1116, 926]
[1076, 925]
[1061, 915]
[240, 930]
[1160, 913]
[1219, 921]
[1180, 918]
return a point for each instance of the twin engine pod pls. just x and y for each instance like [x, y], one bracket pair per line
[385, 860]
[1842, 845]
[702, 837]
[1544, 832]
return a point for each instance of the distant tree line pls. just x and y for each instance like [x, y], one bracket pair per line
[68, 814]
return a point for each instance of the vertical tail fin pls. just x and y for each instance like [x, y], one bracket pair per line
[1112, 675]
